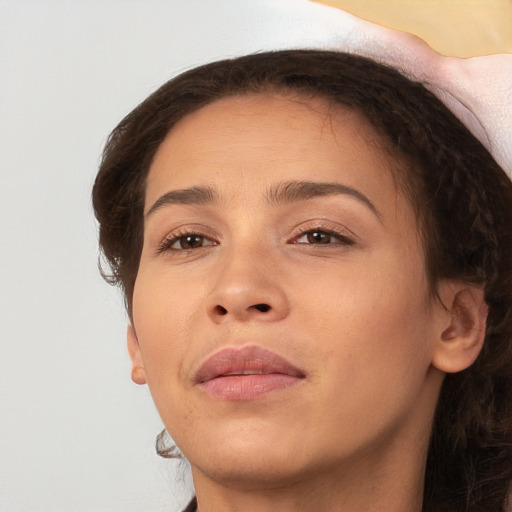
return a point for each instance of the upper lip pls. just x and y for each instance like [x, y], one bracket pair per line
[248, 359]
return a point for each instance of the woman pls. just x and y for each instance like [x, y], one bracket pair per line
[316, 260]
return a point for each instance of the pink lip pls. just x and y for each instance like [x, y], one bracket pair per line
[246, 373]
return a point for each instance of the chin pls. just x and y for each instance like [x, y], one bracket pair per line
[246, 455]
[263, 469]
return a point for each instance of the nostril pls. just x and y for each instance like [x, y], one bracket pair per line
[262, 307]
[220, 310]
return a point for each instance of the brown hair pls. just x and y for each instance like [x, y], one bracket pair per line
[463, 201]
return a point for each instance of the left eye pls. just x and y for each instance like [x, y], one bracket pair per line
[317, 237]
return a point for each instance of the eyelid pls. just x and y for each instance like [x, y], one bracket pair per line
[183, 231]
[346, 236]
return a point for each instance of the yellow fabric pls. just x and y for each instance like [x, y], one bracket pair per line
[461, 28]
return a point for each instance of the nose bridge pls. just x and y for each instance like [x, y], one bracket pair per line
[247, 286]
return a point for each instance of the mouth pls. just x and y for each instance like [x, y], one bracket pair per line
[246, 373]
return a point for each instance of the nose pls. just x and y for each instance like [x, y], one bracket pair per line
[247, 286]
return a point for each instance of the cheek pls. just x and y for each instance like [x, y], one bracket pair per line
[163, 312]
[372, 351]
[374, 319]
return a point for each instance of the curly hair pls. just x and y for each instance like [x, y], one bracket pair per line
[463, 203]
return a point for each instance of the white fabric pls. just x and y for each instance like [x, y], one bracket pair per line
[477, 90]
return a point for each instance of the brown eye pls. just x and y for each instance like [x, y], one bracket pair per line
[318, 237]
[189, 242]
[185, 242]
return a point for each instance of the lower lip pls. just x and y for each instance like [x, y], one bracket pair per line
[248, 387]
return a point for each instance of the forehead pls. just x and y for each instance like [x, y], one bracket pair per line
[247, 143]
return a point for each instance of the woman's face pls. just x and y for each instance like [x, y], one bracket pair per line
[281, 310]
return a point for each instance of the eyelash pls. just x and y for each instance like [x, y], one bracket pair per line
[169, 241]
[340, 239]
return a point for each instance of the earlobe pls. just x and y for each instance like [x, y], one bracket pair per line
[138, 373]
[462, 336]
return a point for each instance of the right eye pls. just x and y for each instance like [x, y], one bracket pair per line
[185, 242]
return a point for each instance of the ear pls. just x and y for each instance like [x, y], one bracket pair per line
[138, 373]
[462, 331]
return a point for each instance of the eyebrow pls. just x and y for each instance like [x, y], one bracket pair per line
[285, 192]
[193, 195]
[292, 191]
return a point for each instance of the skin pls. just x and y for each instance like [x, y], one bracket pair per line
[354, 314]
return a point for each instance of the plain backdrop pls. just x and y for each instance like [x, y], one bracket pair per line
[75, 433]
